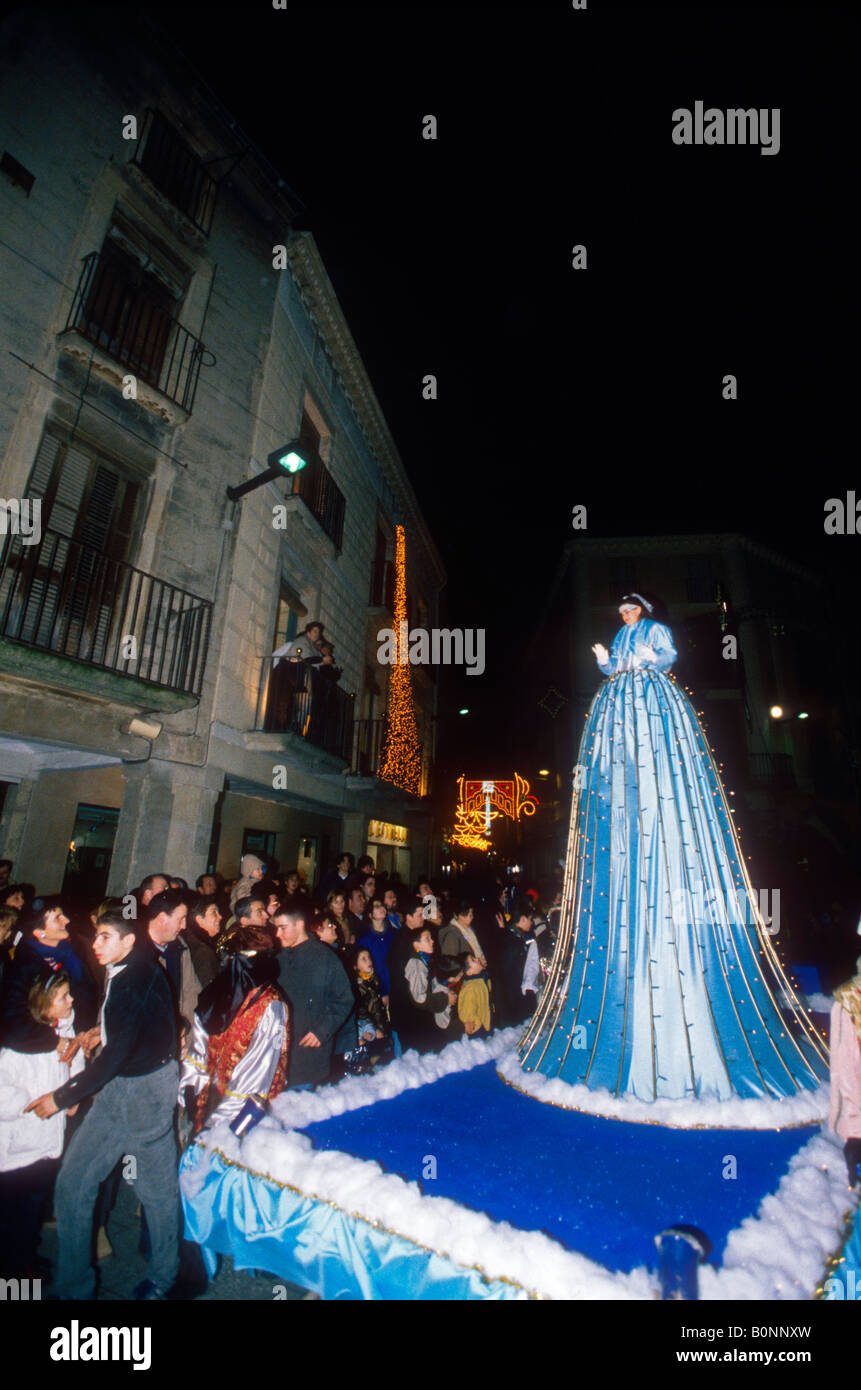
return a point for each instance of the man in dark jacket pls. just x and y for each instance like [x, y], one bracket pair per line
[135, 1080]
[319, 994]
[338, 880]
[518, 977]
[400, 1009]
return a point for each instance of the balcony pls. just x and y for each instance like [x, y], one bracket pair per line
[67, 599]
[325, 501]
[176, 171]
[294, 698]
[117, 315]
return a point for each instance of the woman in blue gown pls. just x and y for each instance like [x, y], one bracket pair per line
[664, 983]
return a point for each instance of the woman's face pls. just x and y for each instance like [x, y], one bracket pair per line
[54, 930]
[378, 911]
[338, 904]
[15, 900]
[630, 613]
[210, 921]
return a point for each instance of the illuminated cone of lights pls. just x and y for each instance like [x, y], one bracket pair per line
[401, 763]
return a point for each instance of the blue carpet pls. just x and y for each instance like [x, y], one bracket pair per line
[604, 1188]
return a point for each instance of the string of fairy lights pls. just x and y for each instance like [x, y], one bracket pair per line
[401, 762]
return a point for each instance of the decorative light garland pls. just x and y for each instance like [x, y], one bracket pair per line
[401, 762]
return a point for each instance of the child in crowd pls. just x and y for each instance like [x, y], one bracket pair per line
[473, 1000]
[378, 939]
[30, 1148]
[431, 1024]
[372, 1019]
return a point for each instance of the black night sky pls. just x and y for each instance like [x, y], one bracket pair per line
[559, 387]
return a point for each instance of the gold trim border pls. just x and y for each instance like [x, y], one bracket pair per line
[378, 1226]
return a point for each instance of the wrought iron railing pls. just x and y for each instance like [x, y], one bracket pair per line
[175, 170]
[322, 496]
[293, 697]
[117, 316]
[64, 597]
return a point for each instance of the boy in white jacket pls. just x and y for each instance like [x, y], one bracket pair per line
[30, 1148]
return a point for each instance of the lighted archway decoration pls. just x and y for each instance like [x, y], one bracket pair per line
[482, 801]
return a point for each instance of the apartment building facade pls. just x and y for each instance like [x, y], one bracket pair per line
[169, 329]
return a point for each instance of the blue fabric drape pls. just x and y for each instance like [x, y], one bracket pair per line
[663, 984]
[313, 1244]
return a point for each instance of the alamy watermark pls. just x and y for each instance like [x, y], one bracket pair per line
[735, 126]
[439, 646]
[21, 517]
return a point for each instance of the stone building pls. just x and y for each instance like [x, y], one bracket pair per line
[169, 330]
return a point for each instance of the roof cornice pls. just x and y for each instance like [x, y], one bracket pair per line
[724, 541]
[322, 302]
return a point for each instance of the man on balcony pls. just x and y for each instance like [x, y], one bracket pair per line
[305, 647]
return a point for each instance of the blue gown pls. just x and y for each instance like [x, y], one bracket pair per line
[664, 983]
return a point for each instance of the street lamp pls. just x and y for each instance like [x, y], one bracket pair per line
[290, 458]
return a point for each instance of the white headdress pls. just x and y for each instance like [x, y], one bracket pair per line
[643, 602]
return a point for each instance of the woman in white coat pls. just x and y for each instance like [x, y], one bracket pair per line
[30, 1148]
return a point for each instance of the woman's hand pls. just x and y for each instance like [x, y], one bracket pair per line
[645, 653]
[601, 653]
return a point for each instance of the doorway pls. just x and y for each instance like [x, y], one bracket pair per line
[88, 862]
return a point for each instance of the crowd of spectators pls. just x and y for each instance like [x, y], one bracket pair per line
[130, 1025]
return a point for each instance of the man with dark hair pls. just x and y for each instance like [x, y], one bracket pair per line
[248, 912]
[202, 926]
[167, 913]
[152, 884]
[519, 975]
[206, 885]
[134, 1080]
[319, 994]
[357, 912]
[338, 880]
[401, 952]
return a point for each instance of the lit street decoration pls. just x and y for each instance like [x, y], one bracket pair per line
[480, 802]
[401, 762]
